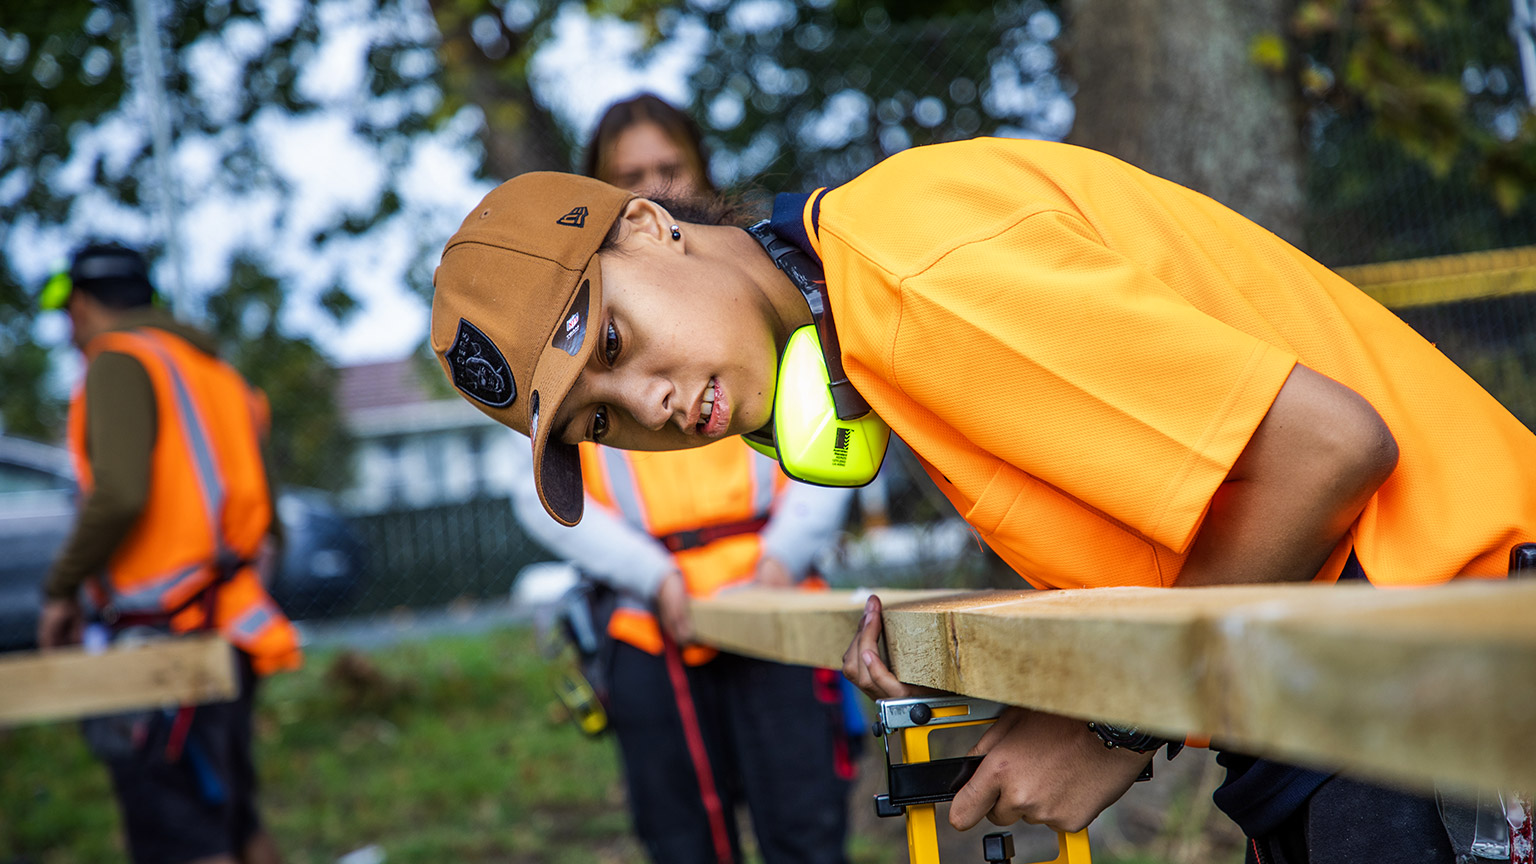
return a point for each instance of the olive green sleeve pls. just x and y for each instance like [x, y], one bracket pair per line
[120, 441]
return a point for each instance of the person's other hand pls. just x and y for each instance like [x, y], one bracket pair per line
[1045, 769]
[60, 623]
[771, 573]
[863, 666]
[672, 608]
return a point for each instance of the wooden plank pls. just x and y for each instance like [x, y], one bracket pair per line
[1411, 686]
[68, 683]
[1447, 278]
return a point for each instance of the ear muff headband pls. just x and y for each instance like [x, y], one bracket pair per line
[823, 431]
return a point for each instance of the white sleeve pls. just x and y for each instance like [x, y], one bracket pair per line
[602, 545]
[806, 519]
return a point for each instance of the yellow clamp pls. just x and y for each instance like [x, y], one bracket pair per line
[914, 720]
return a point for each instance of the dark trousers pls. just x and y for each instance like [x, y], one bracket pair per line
[198, 799]
[1349, 822]
[774, 738]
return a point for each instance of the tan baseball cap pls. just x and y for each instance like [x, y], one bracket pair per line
[510, 305]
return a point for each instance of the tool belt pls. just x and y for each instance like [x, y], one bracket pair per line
[580, 628]
[226, 565]
[128, 734]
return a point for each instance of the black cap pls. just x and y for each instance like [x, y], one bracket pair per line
[112, 273]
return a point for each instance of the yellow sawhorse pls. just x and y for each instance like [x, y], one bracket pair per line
[918, 783]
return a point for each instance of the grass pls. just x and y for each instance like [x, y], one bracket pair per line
[441, 750]
[434, 751]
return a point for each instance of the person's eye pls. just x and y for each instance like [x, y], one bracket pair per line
[611, 344]
[599, 424]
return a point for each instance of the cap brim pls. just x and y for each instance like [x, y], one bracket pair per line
[557, 465]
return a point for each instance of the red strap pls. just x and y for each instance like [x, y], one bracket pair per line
[177, 738]
[1522, 838]
[696, 752]
[829, 692]
[680, 541]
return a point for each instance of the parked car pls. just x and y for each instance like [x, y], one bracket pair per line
[37, 506]
[322, 565]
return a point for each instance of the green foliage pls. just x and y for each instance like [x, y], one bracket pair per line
[824, 91]
[310, 444]
[75, 158]
[1391, 86]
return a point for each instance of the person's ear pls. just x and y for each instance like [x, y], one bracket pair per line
[646, 222]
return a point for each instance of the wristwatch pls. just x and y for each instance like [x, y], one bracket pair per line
[1126, 737]
[1133, 739]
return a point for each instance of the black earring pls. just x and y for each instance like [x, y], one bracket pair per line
[676, 234]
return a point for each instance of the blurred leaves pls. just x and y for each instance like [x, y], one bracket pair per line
[76, 164]
[310, 445]
[1404, 63]
[794, 93]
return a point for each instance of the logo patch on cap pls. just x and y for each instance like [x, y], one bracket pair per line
[573, 327]
[577, 218]
[478, 367]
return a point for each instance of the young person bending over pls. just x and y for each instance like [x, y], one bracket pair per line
[1113, 378]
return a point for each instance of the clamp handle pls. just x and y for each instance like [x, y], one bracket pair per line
[916, 784]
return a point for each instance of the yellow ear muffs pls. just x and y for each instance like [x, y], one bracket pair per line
[810, 442]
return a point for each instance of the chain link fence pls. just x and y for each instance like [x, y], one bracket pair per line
[423, 518]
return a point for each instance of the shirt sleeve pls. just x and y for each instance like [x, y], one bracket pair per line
[1077, 366]
[602, 545]
[120, 437]
[806, 520]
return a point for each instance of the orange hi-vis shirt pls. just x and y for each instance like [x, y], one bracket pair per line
[1079, 351]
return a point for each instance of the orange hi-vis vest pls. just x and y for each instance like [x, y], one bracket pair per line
[667, 493]
[208, 508]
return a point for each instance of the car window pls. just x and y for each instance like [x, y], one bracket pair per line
[20, 478]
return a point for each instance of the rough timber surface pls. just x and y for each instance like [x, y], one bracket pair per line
[67, 683]
[1413, 686]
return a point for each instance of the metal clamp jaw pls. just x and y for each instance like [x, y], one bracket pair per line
[918, 782]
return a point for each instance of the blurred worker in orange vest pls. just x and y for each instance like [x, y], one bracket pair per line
[700, 731]
[175, 525]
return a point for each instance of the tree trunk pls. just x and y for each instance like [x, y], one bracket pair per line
[520, 135]
[1170, 87]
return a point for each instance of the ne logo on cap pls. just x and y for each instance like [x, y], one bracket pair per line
[573, 327]
[478, 367]
[577, 218]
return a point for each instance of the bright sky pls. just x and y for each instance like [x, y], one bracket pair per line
[330, 171]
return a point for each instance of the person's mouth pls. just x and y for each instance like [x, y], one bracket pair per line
[714, 412]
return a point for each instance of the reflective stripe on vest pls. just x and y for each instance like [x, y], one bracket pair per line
[626, 493]
[152, 596]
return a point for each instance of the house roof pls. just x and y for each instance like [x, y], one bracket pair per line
[391, 398]
[380, 385]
